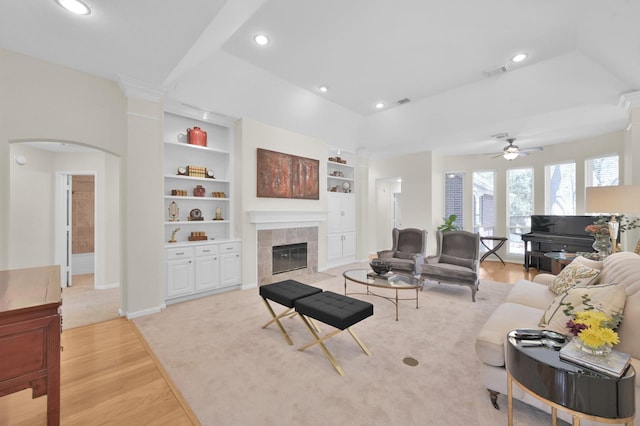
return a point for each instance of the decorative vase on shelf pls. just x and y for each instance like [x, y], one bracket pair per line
[600, 350]
[602, 245]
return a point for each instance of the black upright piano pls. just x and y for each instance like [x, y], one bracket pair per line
[555, 233]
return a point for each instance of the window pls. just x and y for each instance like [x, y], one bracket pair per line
[453, 196]
[519, 207]
[602, 171]
[560, 190]
[484, 202]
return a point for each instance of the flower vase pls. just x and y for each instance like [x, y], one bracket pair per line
[602, 245]
[600, 350]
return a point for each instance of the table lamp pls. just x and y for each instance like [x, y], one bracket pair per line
[613, 200]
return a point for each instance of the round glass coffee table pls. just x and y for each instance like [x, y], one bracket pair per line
[395, 282]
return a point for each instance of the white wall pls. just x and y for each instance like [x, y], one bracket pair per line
[32, 208]
[250, 136]
[31, 213]
[415, 171]
[43, 101]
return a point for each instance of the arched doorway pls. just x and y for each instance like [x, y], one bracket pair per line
[41, 232]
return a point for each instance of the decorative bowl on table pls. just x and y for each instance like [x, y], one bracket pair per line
[380, 267]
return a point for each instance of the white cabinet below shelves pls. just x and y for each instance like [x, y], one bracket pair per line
[341, 228]
[341, 246]
[230, 268]
[207, 264]
[180, 271]
[342, 213]
[192, 270]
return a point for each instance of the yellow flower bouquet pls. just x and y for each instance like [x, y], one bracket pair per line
[594, 331]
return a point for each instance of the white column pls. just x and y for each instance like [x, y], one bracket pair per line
[142, 206]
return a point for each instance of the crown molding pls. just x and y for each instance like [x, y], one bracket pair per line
[137, 89]
[630, 100]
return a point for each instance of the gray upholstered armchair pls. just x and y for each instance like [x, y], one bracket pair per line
[408, 251]
[456, 261]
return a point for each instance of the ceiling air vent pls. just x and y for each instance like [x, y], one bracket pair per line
[496, 71]
[499, 136]
[404, 101]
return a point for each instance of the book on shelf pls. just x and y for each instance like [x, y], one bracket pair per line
[613, 364]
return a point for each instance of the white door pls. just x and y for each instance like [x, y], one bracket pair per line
[396, 213]
[179, 277]
[334, 246]
[335, 214]
[349, 244]
[207, 272]
[63, 236]
[229, 269]
[348, 213]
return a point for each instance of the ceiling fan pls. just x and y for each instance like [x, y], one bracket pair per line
[511, 151]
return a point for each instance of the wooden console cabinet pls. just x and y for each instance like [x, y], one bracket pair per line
[30, 334]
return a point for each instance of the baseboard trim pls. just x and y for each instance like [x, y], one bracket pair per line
[144, 312]
[107, 286]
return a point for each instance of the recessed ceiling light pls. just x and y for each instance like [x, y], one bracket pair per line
[261, 39]
[519, 57]
[75, 6]
[323, 89]
[379, 105]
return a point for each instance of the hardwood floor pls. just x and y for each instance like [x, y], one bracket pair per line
[109, 376]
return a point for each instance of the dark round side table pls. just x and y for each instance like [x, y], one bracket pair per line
[583, 393]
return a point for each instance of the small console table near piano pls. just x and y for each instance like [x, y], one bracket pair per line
[540, 372]
[30, 334]
[495, 247]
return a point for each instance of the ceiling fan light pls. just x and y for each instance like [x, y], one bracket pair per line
[519, 57]
[510, 155]
[74, 6]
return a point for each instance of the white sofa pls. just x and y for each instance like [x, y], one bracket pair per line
[524, 307]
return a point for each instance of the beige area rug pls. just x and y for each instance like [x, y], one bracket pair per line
[82, 305]
[233, 372]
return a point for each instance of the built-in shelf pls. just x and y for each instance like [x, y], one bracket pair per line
[341, 174]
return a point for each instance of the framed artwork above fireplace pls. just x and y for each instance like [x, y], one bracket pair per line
[287, 176]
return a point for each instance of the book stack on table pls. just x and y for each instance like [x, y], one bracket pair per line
[389, 276]
[613, 364]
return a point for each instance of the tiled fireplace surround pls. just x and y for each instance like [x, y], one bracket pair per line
[269, 238]
[274, 229]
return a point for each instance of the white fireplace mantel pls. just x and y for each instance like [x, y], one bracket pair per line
[292, 217]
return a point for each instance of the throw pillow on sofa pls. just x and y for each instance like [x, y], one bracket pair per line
[595, 264]
[574, 274]
[607, 298]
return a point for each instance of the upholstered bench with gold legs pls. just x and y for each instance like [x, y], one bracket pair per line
[285, 293]
[337, 311]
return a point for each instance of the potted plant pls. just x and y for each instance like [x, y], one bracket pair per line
[449, 224]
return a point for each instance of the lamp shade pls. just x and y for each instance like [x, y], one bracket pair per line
[622, 199]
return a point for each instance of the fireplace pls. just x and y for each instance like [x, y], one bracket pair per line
[270, 240]
[277, 228]
[289, 257]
